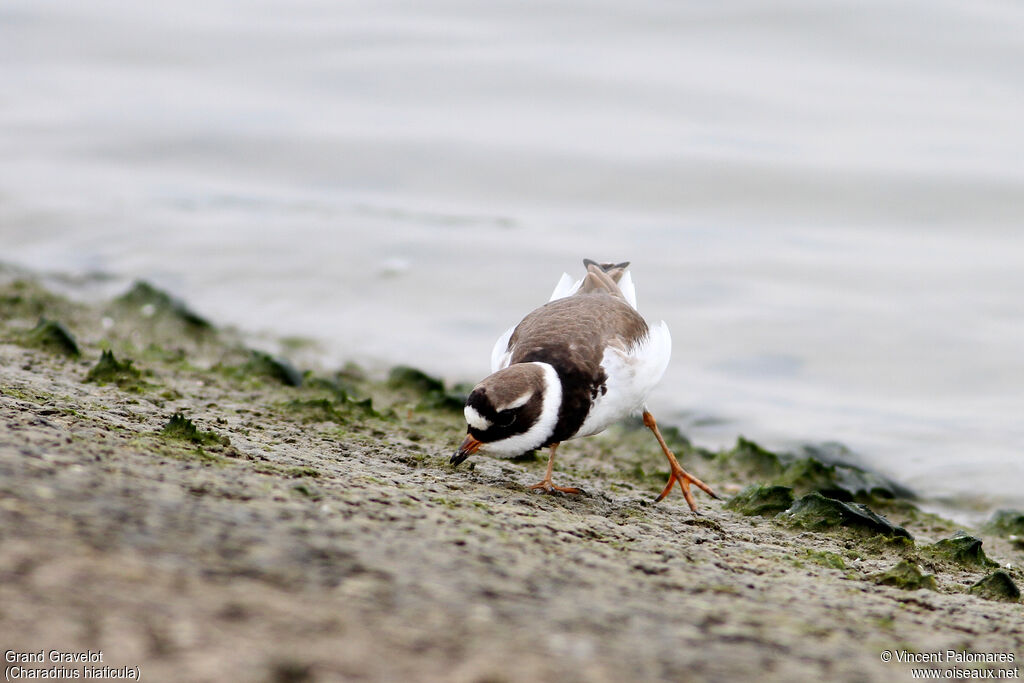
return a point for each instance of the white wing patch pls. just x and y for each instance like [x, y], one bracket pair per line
[628, 289]
[631, 377]
[565, 287]
[501, 354]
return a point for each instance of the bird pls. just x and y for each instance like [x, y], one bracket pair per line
[571, 368]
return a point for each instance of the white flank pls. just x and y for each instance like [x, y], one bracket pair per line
[631, 377]
[475, 419]
[542, 429]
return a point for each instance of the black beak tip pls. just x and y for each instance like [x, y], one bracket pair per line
[457, 459]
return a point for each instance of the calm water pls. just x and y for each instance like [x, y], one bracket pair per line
[824, 200]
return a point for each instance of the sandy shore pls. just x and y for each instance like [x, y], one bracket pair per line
[198, 515]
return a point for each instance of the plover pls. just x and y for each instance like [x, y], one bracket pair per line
[571, 368]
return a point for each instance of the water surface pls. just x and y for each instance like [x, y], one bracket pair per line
[823, 200]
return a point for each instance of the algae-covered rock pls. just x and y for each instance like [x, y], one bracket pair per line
[1006, 523]
[431, 389]
[816, 512]
[340, 390]
[754, 459]
[413, 378]
[261, 364]
[315, 410]
[761, 500]
[819, 470]
[850, 477]
[325, 410]
[907, 576]
[997, 586]
[152, 301]
[109, 370]
[834, 480]
[180, 427]
[807, 475]
[52, 336]
[25, 298]
[825, 558]
[962, 549]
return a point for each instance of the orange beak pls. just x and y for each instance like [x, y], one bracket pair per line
[469, 446]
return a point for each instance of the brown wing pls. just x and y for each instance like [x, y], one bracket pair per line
[581, 325]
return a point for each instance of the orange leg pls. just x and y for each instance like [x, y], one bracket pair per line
[546, 484]
[678, 473]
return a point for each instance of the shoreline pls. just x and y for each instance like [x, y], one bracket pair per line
[203, 511]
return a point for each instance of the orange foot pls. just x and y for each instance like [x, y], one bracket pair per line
[678, 473]
[545, 484]
[548, 487]
[685, 479]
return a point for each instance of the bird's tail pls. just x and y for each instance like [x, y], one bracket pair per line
[603, 277]
[612, 270]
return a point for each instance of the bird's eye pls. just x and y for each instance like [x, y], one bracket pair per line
[505, 418]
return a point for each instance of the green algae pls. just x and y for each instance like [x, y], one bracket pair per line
[960, 548]
[834, 480]
[807, 475]
[152, 302]
[299, 472]
[51, 336]
[307, 491]
[413, 378]
[811, 473]
[754, 460]
[261, 364]
[906, 576]
[997, 586]
[315, 410]
[175, 356]
[30, 394]
[864, 485]
[176, 445]
[825, 558]
[286, 472]
[761, 500]
[430, 390]
[109, 370]
[817, 513]
[327, 410]
[339, 389]
[258, 366]
[27, 299]
[1006, 523]
[182, 428]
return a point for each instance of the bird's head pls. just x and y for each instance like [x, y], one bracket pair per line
[512, 411]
